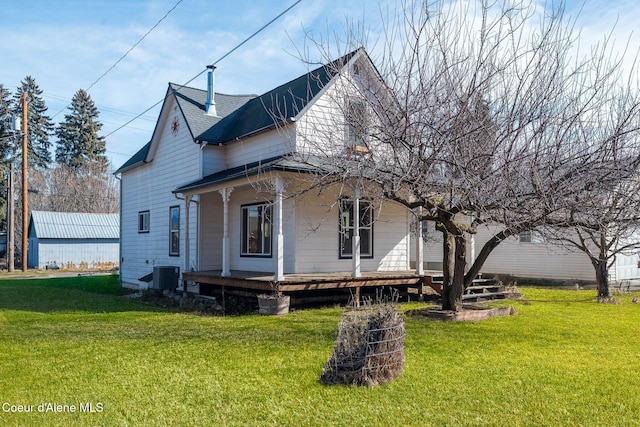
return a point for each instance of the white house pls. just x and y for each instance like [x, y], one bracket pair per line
[215, 192]
[529, 256]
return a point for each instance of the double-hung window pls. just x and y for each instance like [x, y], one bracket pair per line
[174, 231]
[347, 228]
[143, 221]
[356, 121]
[256, 230]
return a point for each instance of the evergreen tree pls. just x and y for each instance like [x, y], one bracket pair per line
[6, 133]
[40, 126]
[78, 140]
[6, 152]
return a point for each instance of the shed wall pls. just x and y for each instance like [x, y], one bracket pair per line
[85, 253]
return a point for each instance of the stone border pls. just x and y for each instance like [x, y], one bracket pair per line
[466, 315]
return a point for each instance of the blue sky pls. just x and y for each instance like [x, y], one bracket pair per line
[66, 45]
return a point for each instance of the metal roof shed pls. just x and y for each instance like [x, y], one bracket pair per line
[73, 240]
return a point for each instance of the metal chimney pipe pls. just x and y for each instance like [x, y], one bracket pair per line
[210, 106]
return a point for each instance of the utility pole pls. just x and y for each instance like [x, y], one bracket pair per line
[11, 240]
[25, 197]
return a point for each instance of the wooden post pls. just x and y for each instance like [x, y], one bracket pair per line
[25, 187]
[224, 304]
[11, 242]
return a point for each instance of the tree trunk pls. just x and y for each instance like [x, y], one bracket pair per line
[454, 260]
[457, 283]
[447, 268]
[602, 279]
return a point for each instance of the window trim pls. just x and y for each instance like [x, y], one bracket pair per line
[530, 238]
[244, 231]
[142, 222]
[173, 231]
[369, 228]
[355, 132]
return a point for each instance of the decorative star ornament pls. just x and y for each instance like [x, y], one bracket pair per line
[175, 126]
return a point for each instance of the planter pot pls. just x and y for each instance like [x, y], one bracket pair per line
[270, 305]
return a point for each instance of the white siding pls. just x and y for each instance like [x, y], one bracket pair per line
[432, 250]
[321, 129]
[239, 197]
[535, 260]
[317, 241]
[259, 147]
[626, 267]
[310, 228]
[213, 159]
[211, 231]
[626, 264]
[511, 257]
[149, 187]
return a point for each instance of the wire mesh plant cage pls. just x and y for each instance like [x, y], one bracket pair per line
[369, 348]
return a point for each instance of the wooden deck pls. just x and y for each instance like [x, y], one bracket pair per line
[263, 281]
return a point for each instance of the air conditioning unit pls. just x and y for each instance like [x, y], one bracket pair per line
[165, 277]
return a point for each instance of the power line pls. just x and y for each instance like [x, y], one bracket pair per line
[101, 108]
[126, 53]
[214, 63]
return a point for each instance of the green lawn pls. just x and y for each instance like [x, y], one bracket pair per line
[564, 360]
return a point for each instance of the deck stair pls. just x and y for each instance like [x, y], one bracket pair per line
[484, 289]
[481, 290]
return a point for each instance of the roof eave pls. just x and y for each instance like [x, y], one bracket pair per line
[129, 167]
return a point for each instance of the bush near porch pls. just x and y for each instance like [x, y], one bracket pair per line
[564, 360]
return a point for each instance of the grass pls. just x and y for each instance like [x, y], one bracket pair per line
[564, 360]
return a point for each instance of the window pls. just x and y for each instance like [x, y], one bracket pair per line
[143, 222]
[256, 230]
[531, 237]
[356, 120]
[365, 228]
[174, 231]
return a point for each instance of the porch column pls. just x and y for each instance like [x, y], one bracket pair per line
[187, 242]
[226, 193]
[279, 246]
[355, 249]
[419, 244]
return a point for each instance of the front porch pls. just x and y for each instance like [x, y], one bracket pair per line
[251, 282]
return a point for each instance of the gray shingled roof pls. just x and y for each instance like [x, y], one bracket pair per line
[191, 102]
[274, 106]
[243, 115]
[65, 225]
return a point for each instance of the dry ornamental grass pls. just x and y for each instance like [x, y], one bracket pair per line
[369, 348]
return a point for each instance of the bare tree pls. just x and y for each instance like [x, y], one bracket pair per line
[70, 189]
[478, 113]
[603, 226]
